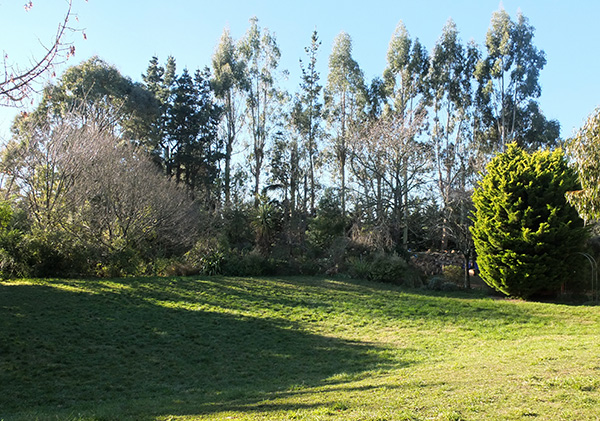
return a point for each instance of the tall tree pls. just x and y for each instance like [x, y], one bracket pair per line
[308, 112]
[389, 164]
[191, 132]
[95, 92]
[584, 151]
[229, 83]
[261, 52]
[450, 79]
[367, 162]
[345, 85]
[155, 81]
[404, 76]
[509, 82]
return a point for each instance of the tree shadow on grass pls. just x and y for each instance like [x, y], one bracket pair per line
[69, 351]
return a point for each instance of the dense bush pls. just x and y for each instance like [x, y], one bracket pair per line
[527, 236]
[454, 274]
[381, 267]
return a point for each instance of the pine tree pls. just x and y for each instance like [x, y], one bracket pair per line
[191, 132]
[308, 112]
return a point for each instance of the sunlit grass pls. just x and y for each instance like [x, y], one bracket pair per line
[292, 348]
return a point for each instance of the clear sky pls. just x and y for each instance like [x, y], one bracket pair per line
[128, 33]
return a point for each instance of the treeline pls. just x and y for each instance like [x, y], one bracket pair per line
[220, 170]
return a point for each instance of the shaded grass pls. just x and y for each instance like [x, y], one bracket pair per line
[292, 348]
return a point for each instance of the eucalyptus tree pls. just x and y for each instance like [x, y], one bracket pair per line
[509, 84]
[307, 114]
[450, 81]
[230, 84]
[260, 51]
[584, 152]
[404, 76]
[407, 66]
[345, 85]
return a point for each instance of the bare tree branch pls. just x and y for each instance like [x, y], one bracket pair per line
[17, 83]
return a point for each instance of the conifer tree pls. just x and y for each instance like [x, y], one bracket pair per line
[308, 112]
[527, 236]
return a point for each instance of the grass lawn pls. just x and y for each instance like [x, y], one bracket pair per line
[289, 349]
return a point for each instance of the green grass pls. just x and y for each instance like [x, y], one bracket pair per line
[289, 349]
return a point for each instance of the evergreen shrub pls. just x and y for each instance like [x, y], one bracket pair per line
[527, 236]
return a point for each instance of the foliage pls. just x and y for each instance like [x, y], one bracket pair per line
[388, 268]
[115, 177]
[205, 257]
[439, 283]
[12, 232]
[328, 224]
[508, 79]
[98, 94]
[93, 199]
[454, 274]
[584, 151]
[237, 233]
[191, 149]
[526, 234]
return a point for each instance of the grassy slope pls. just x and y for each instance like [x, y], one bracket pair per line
[293, 348]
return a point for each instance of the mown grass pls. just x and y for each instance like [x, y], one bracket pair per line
[289, 349]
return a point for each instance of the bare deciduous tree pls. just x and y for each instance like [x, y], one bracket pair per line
[389, 163]
[97, 188]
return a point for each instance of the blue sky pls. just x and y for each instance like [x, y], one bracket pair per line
[127, 34]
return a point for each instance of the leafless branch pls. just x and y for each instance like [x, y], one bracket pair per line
[17, 83]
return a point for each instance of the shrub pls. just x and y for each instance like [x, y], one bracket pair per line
[247, 264]
[454, 273]
[382, 267]
[389, 268]
[329, 224]
[359, 267]
[435, 283]
[125, 262]
[526, 234]
[205, 258]
[439, 283]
